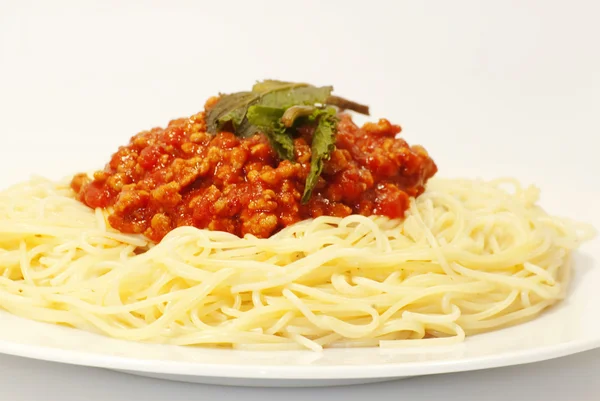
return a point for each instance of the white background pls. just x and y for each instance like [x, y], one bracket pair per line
[490, 88]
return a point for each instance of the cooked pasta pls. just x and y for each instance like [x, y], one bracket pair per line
[469, 256]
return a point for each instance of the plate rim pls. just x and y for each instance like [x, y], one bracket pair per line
[297, 372]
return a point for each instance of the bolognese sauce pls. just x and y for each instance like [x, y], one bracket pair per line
[184, 176]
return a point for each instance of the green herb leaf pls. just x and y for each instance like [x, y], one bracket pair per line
[270, 85]
[264, 116]
[268, 120]
[230, 108]
[282, 142]
[293, 95]
[293, 113]
[233, 108]
[273, 107]
[323, 143]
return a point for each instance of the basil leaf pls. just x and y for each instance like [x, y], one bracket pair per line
[264, 116]
[273, 107]
[230, 108]
[293, 96]
[293, 113]
[233, 108]
[282, 142]
[268, 120]
[323, 143]
[270, 85]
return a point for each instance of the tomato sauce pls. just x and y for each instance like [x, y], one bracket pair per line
[183, 176]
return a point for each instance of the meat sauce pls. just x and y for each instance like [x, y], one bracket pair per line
[184, 176]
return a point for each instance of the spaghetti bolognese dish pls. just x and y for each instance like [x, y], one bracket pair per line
[271, 221]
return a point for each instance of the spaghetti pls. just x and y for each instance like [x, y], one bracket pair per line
[470, 256]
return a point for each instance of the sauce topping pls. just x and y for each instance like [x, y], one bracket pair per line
[184, 176]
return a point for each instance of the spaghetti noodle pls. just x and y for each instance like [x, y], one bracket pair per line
[470, 256]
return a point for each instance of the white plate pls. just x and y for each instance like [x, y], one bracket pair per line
[573, 326]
